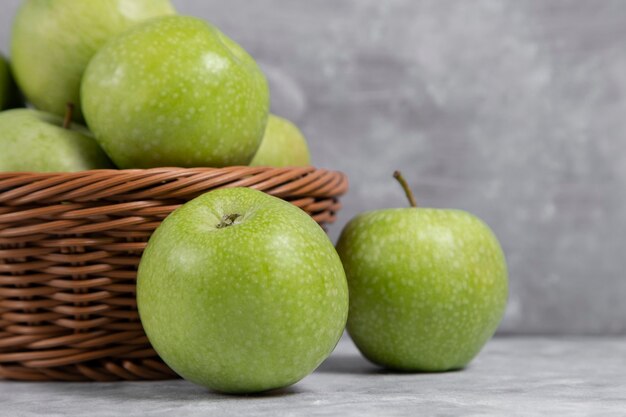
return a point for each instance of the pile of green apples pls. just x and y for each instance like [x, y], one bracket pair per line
[237, 290]
[154, 89]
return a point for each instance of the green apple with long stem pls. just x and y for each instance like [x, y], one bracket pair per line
[283, 145]
[175, 91]
[53, 40]
[9, 95]
[428, 287]
[241, 292]
[32, 140]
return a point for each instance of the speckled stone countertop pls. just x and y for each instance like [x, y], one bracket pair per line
[511, 377]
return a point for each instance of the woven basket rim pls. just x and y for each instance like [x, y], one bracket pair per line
[17, 188]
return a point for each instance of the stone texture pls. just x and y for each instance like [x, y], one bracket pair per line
[512, 110]
[511, 377]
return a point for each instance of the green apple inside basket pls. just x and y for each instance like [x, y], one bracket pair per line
[238, 290]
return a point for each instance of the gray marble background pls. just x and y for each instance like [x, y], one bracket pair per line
[513, 110]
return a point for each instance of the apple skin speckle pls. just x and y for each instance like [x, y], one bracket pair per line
[179, 85]
[248, 307]
[428, 287]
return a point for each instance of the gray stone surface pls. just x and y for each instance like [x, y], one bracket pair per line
[511, 377]
[514, 110]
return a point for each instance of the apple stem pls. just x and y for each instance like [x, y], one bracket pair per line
[228, 220]
[69, 112]
[407, 190]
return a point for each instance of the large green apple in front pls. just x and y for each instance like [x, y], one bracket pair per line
[32, 140]
[241, 292]
[175, 91]
[428, 287]
[283, 145]
[53, 40]
[9, 95]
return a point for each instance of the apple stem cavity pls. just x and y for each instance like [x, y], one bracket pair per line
[405, 186]
[228, 220]
[69, 112]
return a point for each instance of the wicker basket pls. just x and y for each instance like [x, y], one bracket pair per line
[70, 244]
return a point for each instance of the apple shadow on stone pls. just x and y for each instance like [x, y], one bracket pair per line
[172, 391]
[347, 364]
[279, 392]
[357, 365]
[201, 393]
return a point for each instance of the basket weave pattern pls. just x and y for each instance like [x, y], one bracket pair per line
[70, 245]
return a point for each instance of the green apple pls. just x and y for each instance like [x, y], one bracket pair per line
[241, 292]
[428, 287]
[53, 40]
[32, 140]
[9, 95]
[283, 145]
[175, 91]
